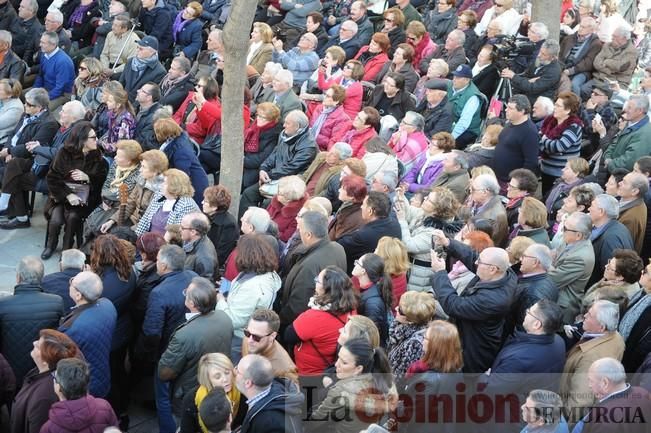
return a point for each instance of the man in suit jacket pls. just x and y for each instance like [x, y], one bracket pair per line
[600, 339]
[284, 97]
[346, 39]
[542, 77]
[633, 212]
[573, 264]
[205, 331]
[455, 175]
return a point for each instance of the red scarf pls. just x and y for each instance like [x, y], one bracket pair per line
[252, 136]
[552, 130]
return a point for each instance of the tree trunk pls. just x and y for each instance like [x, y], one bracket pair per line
[549, 13]
[236, 46]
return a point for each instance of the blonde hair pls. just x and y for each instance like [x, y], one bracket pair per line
[178, 183]
[131, 148]
[534, 213]
[156, 159]
[394, 253]
[418, 307]
[266, 33]
[210, 361]
[482, 169]
[518, 246]
[363, 327]
[291, 187]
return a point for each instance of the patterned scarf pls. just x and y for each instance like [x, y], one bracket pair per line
[168, 84]
[79, 12]
[632, 315]
[139, 65]
[320, 121]
[252, 136]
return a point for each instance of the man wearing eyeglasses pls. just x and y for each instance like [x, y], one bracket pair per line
[481, 312]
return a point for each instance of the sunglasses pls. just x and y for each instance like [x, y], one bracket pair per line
[256, 338]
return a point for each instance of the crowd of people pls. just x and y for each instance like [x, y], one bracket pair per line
[430, 214]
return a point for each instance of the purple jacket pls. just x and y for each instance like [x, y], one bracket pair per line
[432, 172]
[85, 415]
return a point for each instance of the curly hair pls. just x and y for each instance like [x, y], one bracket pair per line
[446, 205]
[339, 291]
[394, 253]
[108, 251]
[178, 183]
[218, 197]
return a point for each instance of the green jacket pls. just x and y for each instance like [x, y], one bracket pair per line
[631, 144]
[458, 101]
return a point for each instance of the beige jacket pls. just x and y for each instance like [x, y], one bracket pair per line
[112, 47]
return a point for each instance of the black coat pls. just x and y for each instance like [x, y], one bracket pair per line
[13, 67]
[530, 290]
[549, 77]
[615, 235]
[83, 33]
[26, 38]
[437, 119]
[487, 80]
[350, 47]
[291, 155]
[22, 316]
[396, 36]
[7, 16]
[480, 311]
[277, 412]
[145, 128]
[400, 104]
[32, 403]
[267, 143]
[372, 306]
[58, 283]
[177, 94]
[42, 130]
[638, 343]
[471, 46]
[365, 239]
[158, 23]
[131, 82]
[120, 293]
[224, 233]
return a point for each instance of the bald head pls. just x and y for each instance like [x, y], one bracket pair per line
[606, 376]
[492, 264]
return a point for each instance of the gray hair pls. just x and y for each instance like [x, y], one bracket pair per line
[611, 369]
[541, 253]
[33, 5]
[352, 25]
[589, 22]
[622, 31]
[299, 117]
[607, 314]
[285, 76]
[72, 259]
[547, 104]
[415, 119]
[183, 63]
[273, 68]
[164, 112]
[552, 47]
[315, 223]
[539, 29]
[292, 187]
[487, 182]
[30, 270]
[122, 19]
[76, 110]
[199, 222]
[5, 37]
[258, 218]
[56, 15]
[90, 285]
[459, 36]
[389, 178]
[38, 96]
[461, 159]
[312, 37]
[172, 256]
[639, 182]
[343, 149]
[203, 295]
[641, 102]
[219, 35]
[608, 204]
[594, 187]
[259, 371]
[52, 37]
[583, 223]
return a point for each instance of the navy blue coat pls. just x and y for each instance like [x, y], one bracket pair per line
[91, 326]
[365, 239]
[58, 283]
[181, 155]
[120, 293]
[189, 39]
[372, 306]
[158, 23]
[614, 235]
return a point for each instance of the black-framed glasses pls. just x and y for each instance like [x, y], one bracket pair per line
[570, 230]
[479, 262]
[399, 310]
[83, 68]
[254, 337]
[358, 263]
[528, 311]
[529, 257]
[186, 228]
[388, 20]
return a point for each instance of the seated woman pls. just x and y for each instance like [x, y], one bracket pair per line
[149, 182]
[406, 334]
[326, 166]
[260, 46]
[485, 74]
[170, 205]
[396, 265]
[101, 114]
[364, 128]
[223, 231]
[409, 141]
[328, 73]
[186, 31]
[255, 286]
[74, 182]
[482, 153]
[214, 370]
[401, 64]
[329, 122]
[532, 221]
[314, 332]
[31, 405]
[11, 108]
[200, 110]
[181, 154]
[349, 216]
[286, 204]
[365, 385]
[419, 38]
[88, 86]
[81, 23]
[379, 158]
[635, 324]
[125, 169]
[376, 292]
[430, 165]
[121, 123]
[437, 69]
[374, 55]
[260, 139]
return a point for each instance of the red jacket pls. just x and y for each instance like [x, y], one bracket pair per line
[334, 127]
[374, 65]
[285, 215]
[425, 47]
[357, 140]
[354, 93]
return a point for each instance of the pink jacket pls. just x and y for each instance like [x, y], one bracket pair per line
[357, 140]
[354, 93]
[334, 128]
[408, 147]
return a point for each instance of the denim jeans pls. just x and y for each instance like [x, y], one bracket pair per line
[577, 82]
[166, 423]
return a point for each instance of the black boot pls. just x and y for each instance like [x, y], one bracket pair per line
[52, 241]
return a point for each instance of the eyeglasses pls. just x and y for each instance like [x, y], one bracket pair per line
[54, 377]
[348, 67]
[529, 257]
[411, 38]
[388, 20]
[597, 93]
[186, 228]
[146, 92]
[570, 230]
[92, 137]
[254, 337]
[358, 263]
[343, 29]
[402, 122]
[513, 186]
[199, 86]
[479, 262]
[28, 104]
[83, 68]
[528, 311]
[499, 5]
[328, 95]
[473, 189]
[399, 310]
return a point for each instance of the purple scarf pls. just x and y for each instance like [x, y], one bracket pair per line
[178, 25]
[78, 14]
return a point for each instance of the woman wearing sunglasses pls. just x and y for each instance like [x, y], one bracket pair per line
[314, 333]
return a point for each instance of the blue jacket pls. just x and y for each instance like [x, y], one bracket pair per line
[166, 308]
[158, 23]
[182, 156]
[58, 283]
[91, 327]
[120, 293]
[372, 306]
[56, 75]
[188, 39]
